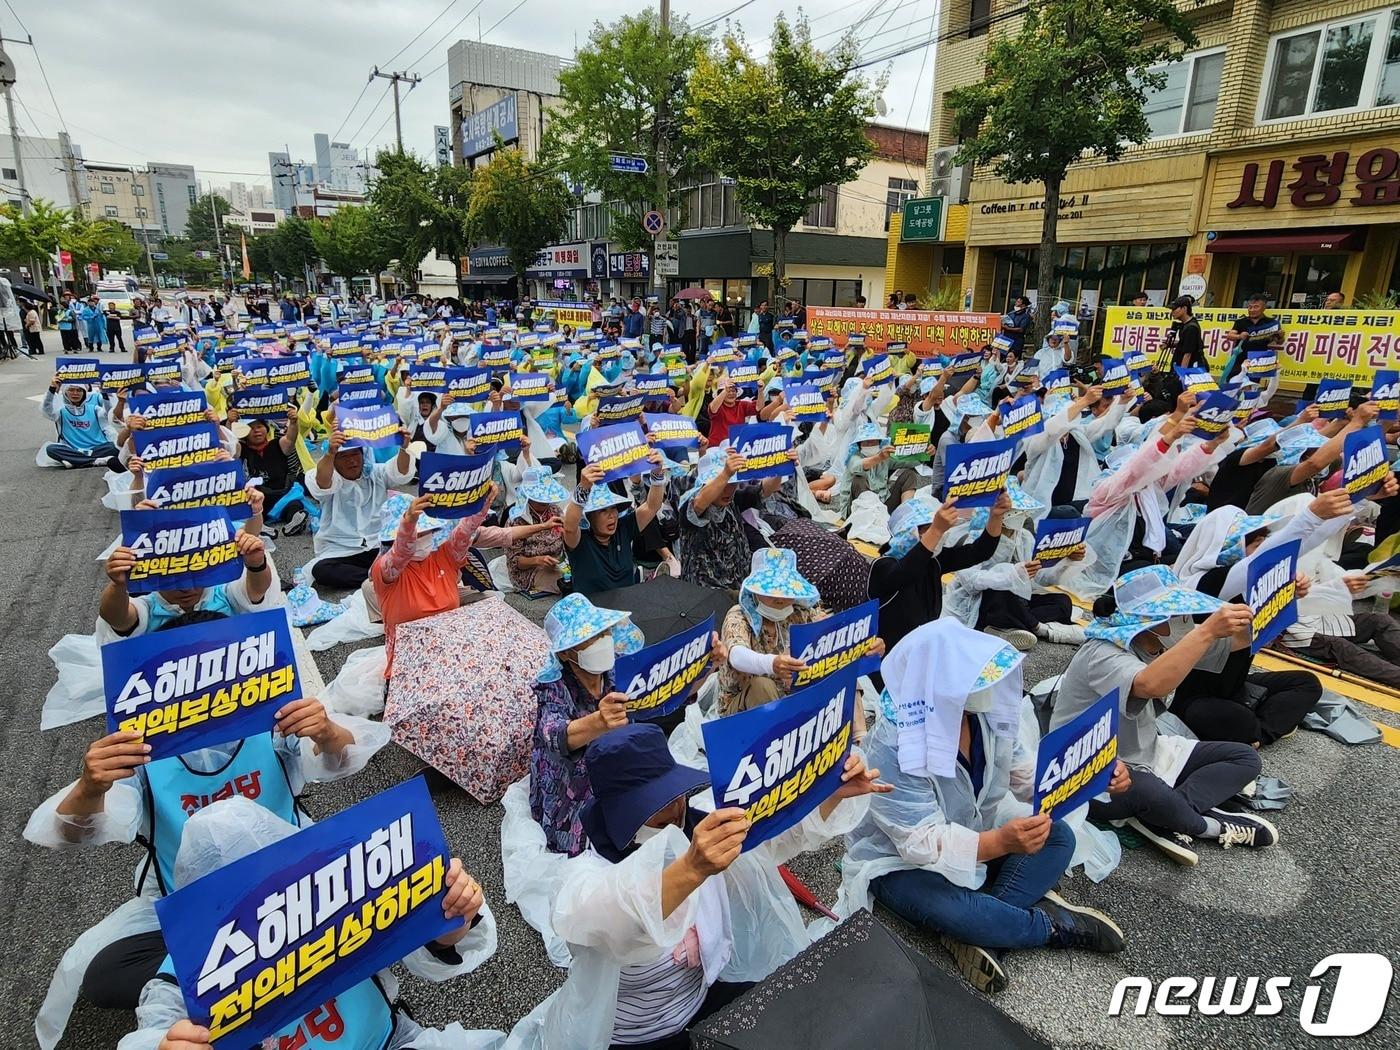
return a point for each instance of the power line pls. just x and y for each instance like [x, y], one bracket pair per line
[373, 109]
[348, 115]
[720, 18]
[450, 5]
[516, 8]
[952, 34]
[441, 39]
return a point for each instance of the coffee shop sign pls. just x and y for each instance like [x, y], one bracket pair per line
[1071, 207]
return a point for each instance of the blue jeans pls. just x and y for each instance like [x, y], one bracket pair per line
[1001, 914]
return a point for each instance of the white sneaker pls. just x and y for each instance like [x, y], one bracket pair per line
[1017, 638]
[1062, 633]
[1171, 844]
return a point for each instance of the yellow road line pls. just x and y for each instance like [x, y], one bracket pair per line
[1349, 689]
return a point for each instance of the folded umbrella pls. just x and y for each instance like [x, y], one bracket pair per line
[461, 695]
[664, 606]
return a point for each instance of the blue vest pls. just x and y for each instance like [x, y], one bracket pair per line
[158, 613]
[174, 792]
[81, 430]
[359, 1018]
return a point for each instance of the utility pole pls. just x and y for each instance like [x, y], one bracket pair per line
[218, 237]
[70, 168]
[663, 175]
[412, 80]
[145, 236]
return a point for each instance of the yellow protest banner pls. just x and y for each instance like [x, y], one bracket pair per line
[1317, 344]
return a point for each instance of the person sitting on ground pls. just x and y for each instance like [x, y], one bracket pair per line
[772, 598]
[351, 489]
[418, 573]
[121, 796]
[955, 850]
[368, 1013]
[599, 537]
[536, 561]
[578, 702]
[273, 457]
[1296, 474]
[714, 549]
[667, 918]
[81, 421]
[1144, 644]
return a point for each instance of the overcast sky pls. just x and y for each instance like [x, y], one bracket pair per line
[219, 84]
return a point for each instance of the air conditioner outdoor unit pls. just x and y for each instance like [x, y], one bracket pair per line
[948, 179]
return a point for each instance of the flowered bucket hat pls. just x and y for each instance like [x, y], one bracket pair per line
[1245, 525]
[1121, 628]
[395, 507]
[710, 466]
[906, 521]
[867, 431]
[1155, 591]
[575, 620]
[1259, 431]
[966, 406]
[601, 497]
[538, 485]
[773, 574]
[1021, 500]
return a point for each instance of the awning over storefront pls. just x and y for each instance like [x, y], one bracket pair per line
[1274, 243]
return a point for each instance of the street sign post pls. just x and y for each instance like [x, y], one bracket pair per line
[628, 163]
[654, 222]
[925, 219]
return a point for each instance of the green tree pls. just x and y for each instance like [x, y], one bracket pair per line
[783, 127]
[199, 228]
[29, 240]
[259, 257]
[292, 248]
[519, 205]
[103, 241]
[1070, 83]
[421, 209]
[627, 92]
[351, 242]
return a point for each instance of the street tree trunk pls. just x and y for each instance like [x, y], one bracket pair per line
[779, 263]
[1049, 233]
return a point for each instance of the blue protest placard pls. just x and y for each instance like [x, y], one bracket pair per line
[162, 373]
[1022, 418]
[1214, 415]
[1075, 762]
[165, 348]
[821, 378]
[457, 486]
[879, 370]
[806, 400]
[1365, 464]
[655, 385]
[264, 402]
[662, 677]
[177, 446]
[1260, 365]
[744, 375]
[77, 370]
[1272, 592]
[372, 427]
[427, 379]
[290, 371]
[497, 431]
[961, 369]
[201, 685]
[495, 356]
[620, 408]
[120, 377]
[1115, 377]
[1059, 538]
[671, 431]
[765, 448]
[215, 484]
[272, 938]
[360, 397]
[976, 471]
[1056, 381]
[1333, 398]
[1196, 380]
[780, 761]
[841, 642]
[1388, 568]
[620, 450]
[1385, 392]
[466, 385]
[357, 375]
[169, 408]
[180, 548]
[530, 386]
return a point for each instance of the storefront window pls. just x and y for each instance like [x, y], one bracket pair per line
[1260, 273]
[1315, 276]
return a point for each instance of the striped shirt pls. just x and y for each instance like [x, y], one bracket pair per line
[656, 1000]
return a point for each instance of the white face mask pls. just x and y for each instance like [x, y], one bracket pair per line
[769, 612]
[599, 657]
[460, 426]
[869, 450]
[422, 546]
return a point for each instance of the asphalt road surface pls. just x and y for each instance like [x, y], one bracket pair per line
[1329, 887]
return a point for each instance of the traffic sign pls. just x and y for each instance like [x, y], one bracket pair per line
[160, 257]
[654, 222]
[925, 219]
[628, 163]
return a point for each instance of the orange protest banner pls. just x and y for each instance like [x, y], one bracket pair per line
[929, 333]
